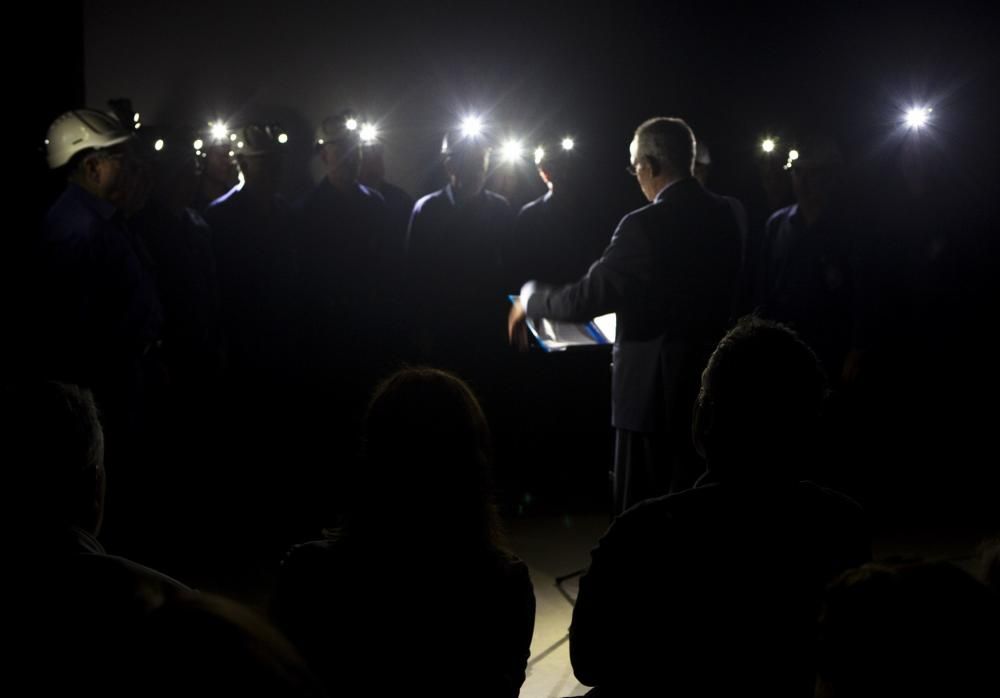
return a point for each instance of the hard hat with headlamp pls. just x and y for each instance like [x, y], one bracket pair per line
[341, 128]
[254, 140]
[553, 148]
[821, 153]
[470, 134]
[80, 130]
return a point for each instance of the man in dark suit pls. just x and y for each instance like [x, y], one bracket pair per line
[669, 274]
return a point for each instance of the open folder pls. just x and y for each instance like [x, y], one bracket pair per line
[556, 335]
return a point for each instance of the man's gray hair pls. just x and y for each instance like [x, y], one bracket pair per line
[669, 141]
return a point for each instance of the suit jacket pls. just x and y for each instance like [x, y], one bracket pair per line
[670, 273]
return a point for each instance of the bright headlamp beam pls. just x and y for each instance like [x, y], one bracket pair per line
[351, 124]
[917, 117]
[511, 151]
[472, 126]
[767, 145]
[568, 144]
[369, 133]
[793, 155]
[539, 155]
[219, 131]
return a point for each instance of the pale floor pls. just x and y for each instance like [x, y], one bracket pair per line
[554, 547]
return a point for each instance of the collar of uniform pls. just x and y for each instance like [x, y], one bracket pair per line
[681, 183]
[102, 208]
[229, 194]
[355, 188]
[450, 192]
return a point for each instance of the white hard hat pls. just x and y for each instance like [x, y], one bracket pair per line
[79, 130]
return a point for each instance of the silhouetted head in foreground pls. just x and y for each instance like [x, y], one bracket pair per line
[59, 478]
[758, 413]
[427, 460]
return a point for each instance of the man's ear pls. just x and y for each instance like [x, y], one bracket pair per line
[654, 166]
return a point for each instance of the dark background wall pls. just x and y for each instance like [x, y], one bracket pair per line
[734, 72]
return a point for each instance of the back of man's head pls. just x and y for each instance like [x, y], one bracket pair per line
[760, 401]
[669, 143]
[53, 431]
